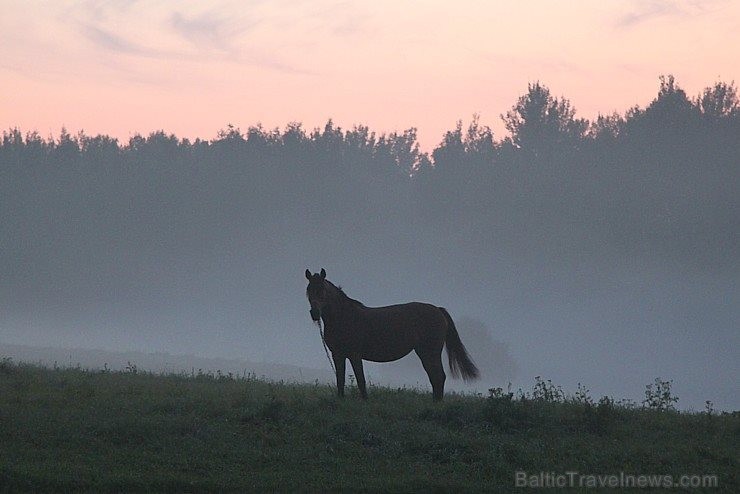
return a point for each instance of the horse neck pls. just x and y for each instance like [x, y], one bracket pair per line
[340, 306]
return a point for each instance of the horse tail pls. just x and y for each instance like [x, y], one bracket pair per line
[460, 362]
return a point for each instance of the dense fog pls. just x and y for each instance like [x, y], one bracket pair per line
[604, 253]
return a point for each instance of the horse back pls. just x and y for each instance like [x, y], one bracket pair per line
[390, 332]
[409, 314]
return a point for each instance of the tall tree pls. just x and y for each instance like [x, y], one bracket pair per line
[539, 122]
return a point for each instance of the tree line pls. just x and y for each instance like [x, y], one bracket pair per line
[660, 180]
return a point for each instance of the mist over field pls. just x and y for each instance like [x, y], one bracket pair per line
[604, 253]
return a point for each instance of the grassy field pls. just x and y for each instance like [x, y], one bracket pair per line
[77, 430]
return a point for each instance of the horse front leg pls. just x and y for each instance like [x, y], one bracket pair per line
[359, 375]
[339, 365]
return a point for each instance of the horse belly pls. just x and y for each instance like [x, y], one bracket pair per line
[389, 343]
[374, 353]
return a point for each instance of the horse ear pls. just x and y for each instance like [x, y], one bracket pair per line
[308, 275]
[323, 273]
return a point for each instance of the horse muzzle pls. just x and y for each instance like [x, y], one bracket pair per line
[315, 314]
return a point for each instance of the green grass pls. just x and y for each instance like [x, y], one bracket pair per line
[77, 430]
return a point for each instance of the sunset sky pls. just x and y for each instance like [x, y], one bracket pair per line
[191, 67]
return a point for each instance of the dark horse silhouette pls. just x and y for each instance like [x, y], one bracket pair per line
[383, 334]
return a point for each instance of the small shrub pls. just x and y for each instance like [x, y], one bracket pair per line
[658, 395]
[498, 393]
[547, 391]
[582, 396]
[6, 365]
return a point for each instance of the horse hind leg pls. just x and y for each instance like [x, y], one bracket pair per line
[432, 363]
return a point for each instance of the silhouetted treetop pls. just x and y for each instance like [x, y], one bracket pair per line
[719, 101]
[539, 121]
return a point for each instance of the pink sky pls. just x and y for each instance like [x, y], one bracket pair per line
[191, 67]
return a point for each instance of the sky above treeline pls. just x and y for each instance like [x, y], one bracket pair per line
[190, 68]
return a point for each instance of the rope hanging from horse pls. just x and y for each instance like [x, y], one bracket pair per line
[326, 348]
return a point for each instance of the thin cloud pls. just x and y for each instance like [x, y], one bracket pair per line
[216, 34]
[208, 29]
[645, 11]
[101, 9]
[109, 41]
[112, 42]
[341, 19]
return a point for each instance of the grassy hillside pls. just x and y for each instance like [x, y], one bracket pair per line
[71, 430]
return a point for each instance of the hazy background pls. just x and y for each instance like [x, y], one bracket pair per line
[602, 251]
[599, 252]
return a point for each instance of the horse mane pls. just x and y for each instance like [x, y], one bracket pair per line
[344, 296]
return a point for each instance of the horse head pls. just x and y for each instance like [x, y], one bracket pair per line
[316, 293]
